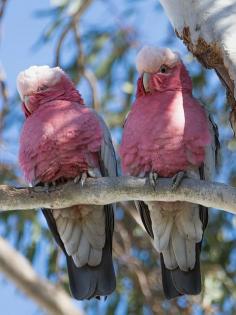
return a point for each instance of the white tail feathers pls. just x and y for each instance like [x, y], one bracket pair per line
[82, 232]
[162, 226]
[177, 228]
[188, 223]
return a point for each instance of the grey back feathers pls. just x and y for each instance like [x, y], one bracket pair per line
[108, 156]
[212, 151]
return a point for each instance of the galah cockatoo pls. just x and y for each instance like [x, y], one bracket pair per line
[62, 140]
[167, 134]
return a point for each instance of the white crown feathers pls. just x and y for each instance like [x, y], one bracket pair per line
[31, 79]
[149, 59]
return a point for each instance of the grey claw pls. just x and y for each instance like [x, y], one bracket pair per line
[177, 179]
[46, 185]
[77, 179]
[81, 179]
[153, 179]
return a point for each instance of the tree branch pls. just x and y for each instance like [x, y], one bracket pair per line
[17, 268]
[5, 98]
[85, 72]
[116, 189]
[3, 85]
[75, 17]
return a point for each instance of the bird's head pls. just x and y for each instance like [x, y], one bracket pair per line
[161, 70]
[41, 84]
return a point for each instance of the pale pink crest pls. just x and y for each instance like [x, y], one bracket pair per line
[35, 77]
[149, 59]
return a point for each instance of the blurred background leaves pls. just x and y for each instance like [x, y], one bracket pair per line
[96, 43]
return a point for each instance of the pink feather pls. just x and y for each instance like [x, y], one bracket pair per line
[167, 129]
[57, 140]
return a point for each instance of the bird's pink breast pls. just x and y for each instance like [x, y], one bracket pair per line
[164, 132]
[60, 139]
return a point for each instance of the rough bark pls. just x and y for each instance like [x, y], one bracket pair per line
[17, 268]
[207, 28]
[108, 190]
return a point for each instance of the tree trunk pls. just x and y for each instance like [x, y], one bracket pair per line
[207, 28]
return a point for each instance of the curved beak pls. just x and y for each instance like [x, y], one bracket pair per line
[146, 77]
[25, 106]
[26, 102]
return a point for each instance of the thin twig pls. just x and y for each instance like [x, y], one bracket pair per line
[5, 99]
[3, 85]
[85, 72]
[2, 8]
[74, 18]
[92, 81]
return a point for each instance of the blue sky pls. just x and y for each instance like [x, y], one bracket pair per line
[20, 31]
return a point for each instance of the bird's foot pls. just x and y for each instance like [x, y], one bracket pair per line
[177, 179]
[81, 179]
[46, 186]
[94, 172]
[153, 179]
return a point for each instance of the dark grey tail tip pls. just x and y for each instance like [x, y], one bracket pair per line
[172, 297]
[97, 297]
[101, 297]
[178, 295]
[88, 298]
[173, 293]
[101, 294]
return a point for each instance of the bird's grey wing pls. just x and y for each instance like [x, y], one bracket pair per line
[212, 151]
[108, 162]
[144, 212]
[108, 167]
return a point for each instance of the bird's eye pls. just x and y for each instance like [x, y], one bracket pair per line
[163, 69]
[42, 88]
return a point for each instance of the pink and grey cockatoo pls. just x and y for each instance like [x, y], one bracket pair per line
[167, 133]
[61, 140]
